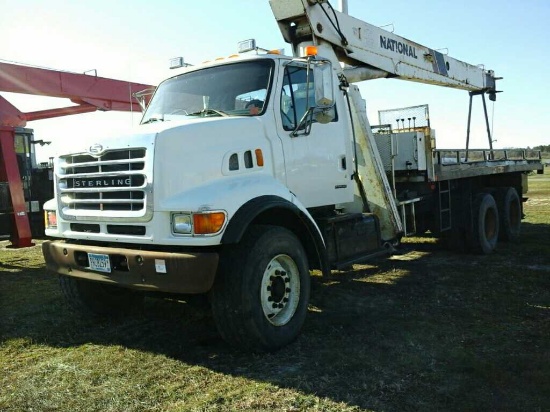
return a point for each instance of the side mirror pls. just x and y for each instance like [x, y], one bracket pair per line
[324, 91]
[321, 105]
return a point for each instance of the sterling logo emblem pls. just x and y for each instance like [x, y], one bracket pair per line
[96, 149]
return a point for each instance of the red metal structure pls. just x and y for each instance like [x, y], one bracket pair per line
[90, 93]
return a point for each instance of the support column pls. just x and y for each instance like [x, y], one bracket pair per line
[9, 171]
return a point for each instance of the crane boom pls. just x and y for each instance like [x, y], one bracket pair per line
[373, 51]
[91, 93]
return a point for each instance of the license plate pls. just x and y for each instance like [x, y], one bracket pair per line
[99, 262]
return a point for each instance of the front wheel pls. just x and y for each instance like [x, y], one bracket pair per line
[261, 293]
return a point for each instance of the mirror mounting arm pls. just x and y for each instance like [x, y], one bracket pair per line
[305, 122]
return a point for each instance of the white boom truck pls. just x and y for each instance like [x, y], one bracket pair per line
[250, 171]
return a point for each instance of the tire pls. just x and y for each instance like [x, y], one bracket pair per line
[99, 299]
[509, 210]
[261, 293]
[485, 227]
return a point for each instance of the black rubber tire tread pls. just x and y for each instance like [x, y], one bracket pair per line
[97, 299]
[509, 210]
[484, 204]
[236, 305]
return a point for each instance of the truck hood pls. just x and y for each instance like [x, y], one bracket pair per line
[193, 152]
[182, 155]
[135, 136]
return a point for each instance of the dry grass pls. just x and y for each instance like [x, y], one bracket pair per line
[425, 330]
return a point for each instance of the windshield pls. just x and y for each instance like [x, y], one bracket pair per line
[237, 89]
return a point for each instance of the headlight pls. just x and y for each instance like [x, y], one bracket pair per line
[182, 223]
[50, 219]
[202, 223]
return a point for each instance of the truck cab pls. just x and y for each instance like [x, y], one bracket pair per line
[212, 139]
[249, 147]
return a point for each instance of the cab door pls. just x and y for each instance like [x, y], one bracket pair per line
[318, 164]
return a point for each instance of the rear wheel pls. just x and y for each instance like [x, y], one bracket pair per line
[485, 226]
[261, 293]
[509, 209]
[93, 298]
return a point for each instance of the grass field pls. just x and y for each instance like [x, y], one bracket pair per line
[424, 330]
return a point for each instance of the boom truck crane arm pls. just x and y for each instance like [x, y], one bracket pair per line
[372, 52]
[369, 52]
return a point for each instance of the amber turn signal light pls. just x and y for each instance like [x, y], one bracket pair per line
[208, 223]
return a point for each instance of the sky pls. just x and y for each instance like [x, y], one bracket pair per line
[135, 40]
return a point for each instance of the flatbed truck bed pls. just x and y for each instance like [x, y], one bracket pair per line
[457, 164]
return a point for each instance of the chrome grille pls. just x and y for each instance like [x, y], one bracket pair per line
[114, 181]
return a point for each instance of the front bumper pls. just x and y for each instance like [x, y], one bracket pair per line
[136, 269]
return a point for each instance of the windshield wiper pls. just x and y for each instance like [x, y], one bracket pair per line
[153, 119]
[205, 112]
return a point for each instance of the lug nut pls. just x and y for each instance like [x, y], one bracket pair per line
[269, 299]
[287, 290]
[274, 306]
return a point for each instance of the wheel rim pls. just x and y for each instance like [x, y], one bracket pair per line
[280, 290]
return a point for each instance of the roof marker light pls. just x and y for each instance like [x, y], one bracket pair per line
[311, 50]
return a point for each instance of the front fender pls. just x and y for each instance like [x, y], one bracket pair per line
[245, 198]
[274, 210]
